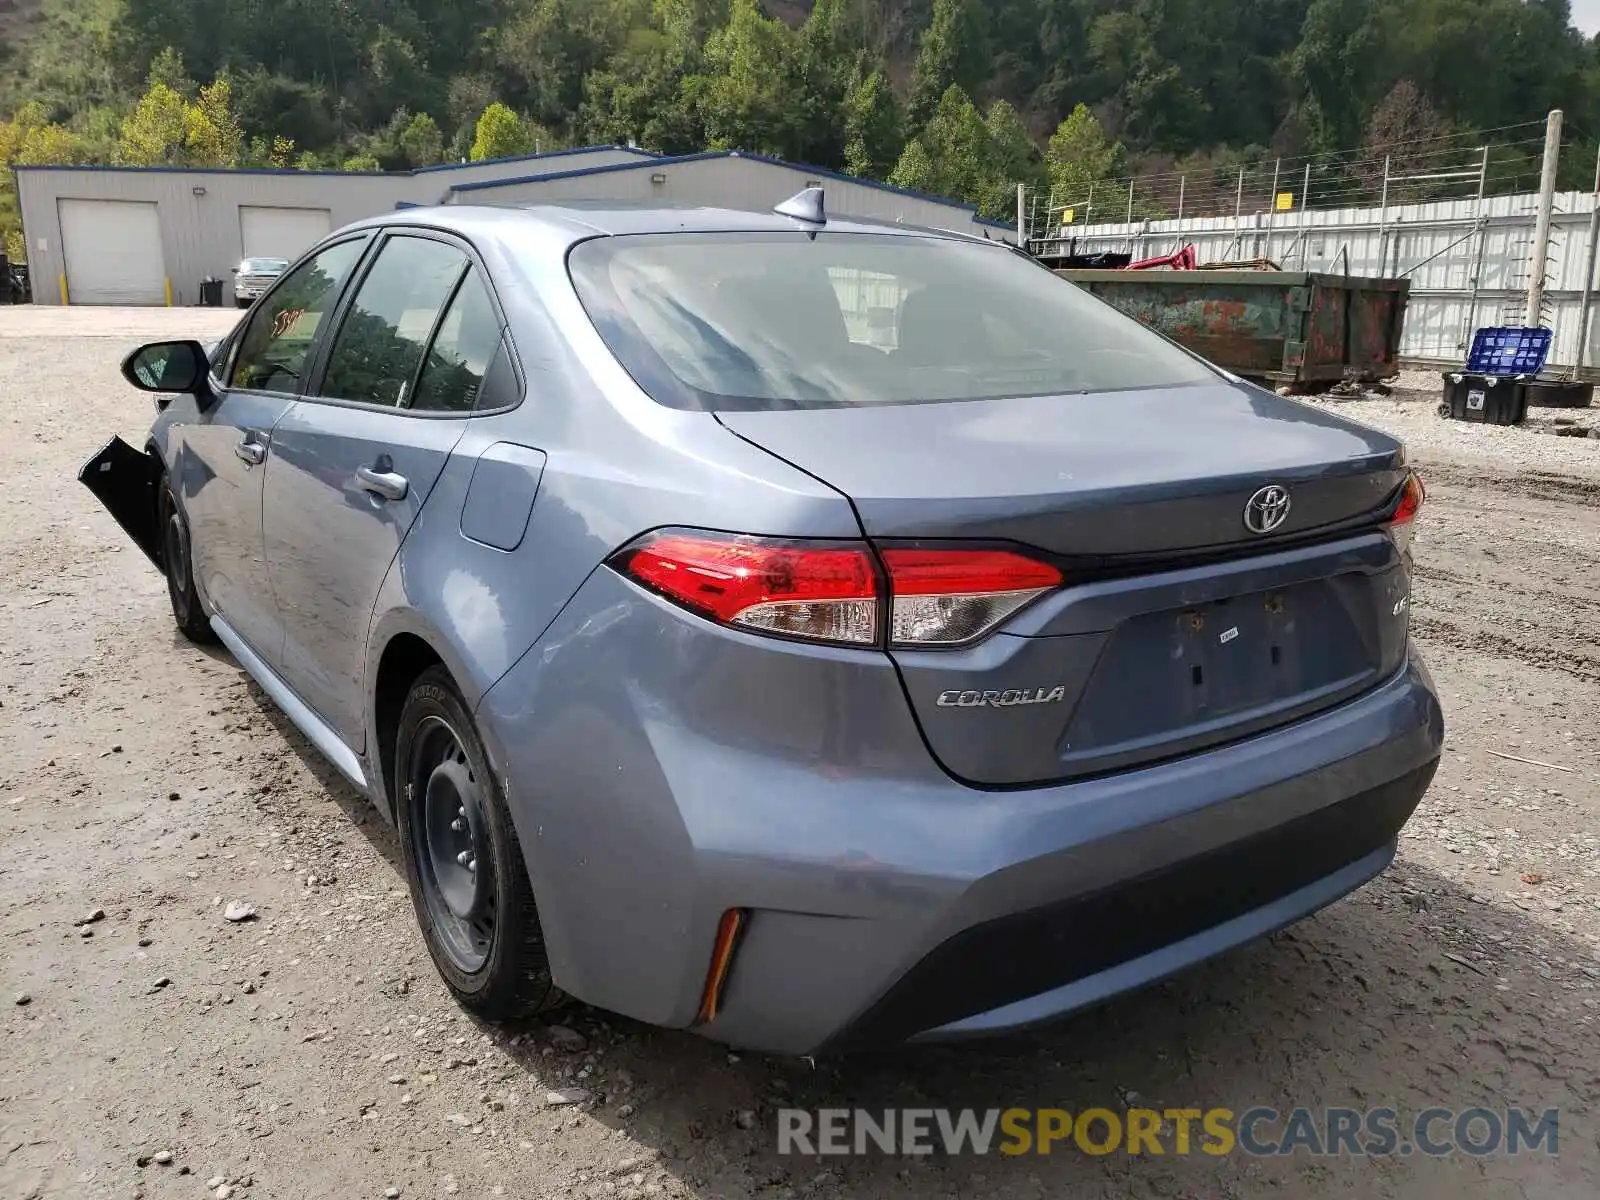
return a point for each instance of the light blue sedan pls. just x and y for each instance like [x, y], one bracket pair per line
[815, 633]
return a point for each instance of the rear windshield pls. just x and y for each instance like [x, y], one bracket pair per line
[750, 322]
[264, 266]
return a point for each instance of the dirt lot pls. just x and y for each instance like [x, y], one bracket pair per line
[311, 1052]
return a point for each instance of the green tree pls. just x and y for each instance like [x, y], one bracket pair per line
[156, 132]
[647, 92]
[1334, 66]
[1012, 159]
[167, 68]
[747, 98]
[916, 169]
[422, 142]
[500, 134]
[959, 154]
[551, 45]
[362, 162]
[1080, 156]
[954, 52]
[873, 127]
[212, 136]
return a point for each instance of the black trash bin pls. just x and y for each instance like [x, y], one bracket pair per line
[1493, 399]
[211, 293]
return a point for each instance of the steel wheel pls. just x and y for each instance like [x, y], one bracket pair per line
[177, 560]
[464, 866]
[450, 845]
[175, 554]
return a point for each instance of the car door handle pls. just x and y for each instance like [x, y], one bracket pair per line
[386, 484]
[251, 453]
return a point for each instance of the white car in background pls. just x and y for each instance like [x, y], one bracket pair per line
[255, 275]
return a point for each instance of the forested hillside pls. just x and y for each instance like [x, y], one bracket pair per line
[960, 97]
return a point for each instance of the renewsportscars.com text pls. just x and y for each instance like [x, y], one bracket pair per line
[1349, 1132]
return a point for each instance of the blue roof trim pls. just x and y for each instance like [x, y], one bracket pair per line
[120, 167]
[607, 169]
[802, 168]
[646, 156]
[489, 162]
[400, 204]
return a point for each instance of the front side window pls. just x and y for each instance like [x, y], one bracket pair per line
[771, 321]
[276, 348]
[468, 337]
[380, 343]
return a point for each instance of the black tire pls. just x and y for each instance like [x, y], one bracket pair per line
[241, 303]
[482, 931]
[187, 612]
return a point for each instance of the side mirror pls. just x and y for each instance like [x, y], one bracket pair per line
[233, 270]
[169, 367]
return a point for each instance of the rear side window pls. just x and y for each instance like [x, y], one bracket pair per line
[461, 354]
[774, 321]
[374, 359]
[276, 347]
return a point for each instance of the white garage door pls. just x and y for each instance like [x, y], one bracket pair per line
[281, 232]
[113, 252]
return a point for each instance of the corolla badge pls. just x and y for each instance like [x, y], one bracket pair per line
[1267, 509]
[957, 698]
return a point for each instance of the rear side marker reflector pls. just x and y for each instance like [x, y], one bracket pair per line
[834, 592]
[728, 931]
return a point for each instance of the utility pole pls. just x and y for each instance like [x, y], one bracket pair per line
[1022, 216]
[1541, 229]
[1383, 220]
[1588, 274]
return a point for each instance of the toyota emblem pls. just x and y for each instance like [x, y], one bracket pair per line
[1267, 509]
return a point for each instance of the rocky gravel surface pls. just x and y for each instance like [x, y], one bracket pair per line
[213, 985]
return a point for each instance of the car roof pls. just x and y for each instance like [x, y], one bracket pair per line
[578, 220]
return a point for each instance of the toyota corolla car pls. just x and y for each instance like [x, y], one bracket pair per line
[814, 633]
[253, 276]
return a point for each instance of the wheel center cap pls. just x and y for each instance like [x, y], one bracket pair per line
[456, 845]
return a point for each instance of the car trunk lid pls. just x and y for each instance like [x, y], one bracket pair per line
[1178, 626]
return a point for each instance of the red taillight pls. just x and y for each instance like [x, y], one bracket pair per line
[1411, 497]
[817, 591]
[946, 597]
[830, 592]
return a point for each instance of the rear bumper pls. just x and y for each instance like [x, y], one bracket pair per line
[1028, 967]
[661, 771]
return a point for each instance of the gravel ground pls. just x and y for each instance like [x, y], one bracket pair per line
[1412, 413]
[310, 1051]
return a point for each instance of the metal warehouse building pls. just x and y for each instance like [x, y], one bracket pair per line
[151, 235]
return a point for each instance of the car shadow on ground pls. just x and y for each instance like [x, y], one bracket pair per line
[1410, 994]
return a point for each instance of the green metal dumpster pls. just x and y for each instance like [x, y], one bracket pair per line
[1283, 327]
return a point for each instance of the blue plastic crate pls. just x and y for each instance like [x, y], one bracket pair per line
[1508, 350]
